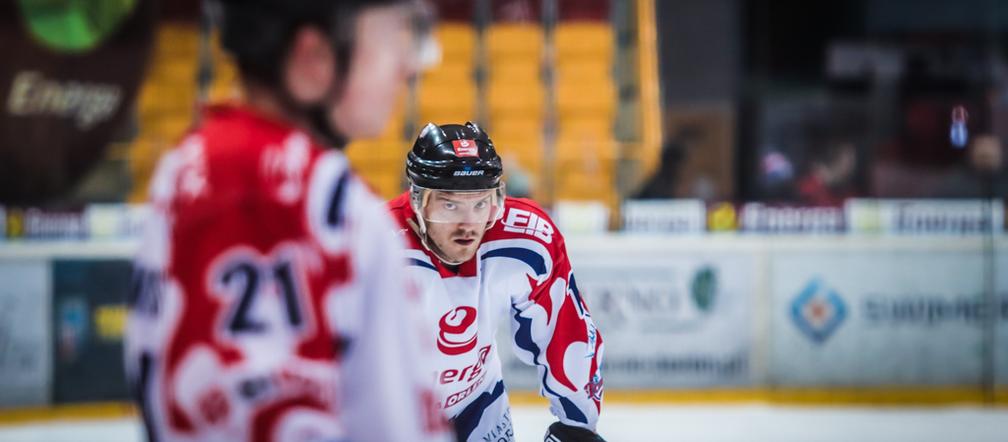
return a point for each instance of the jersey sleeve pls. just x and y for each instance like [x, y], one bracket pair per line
[387, 379]
[553, 330]
[148, 306]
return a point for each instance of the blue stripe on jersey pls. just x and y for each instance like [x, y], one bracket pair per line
[527, 256]
[577, 296]
[421, 263]
[467, 421]
[334, 213]
[572, 411]
[523, 337]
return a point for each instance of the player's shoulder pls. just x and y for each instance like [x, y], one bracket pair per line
[342, 209]
[249, 156]
[400, 204]
[235, 133]
[525, 204]
[525, 219]
[400, 208]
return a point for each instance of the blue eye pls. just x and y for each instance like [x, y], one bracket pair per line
[449, 206]
[481, 204]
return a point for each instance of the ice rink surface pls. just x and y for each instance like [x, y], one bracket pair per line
[671, 423]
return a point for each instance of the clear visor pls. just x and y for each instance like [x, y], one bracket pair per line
[459, 207]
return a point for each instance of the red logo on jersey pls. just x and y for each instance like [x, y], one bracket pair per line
[458, 333]
[465, 148]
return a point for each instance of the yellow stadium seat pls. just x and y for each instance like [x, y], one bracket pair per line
[449, 73]
[224, 91]
[170, 128]
[457, 40]
[594, 99]
[529, 156]
[514, 40]
[149, 95]
[506, 99]
[575, 126]
[592, 40]
[584, 183]
[530, 163]
[583, 71]
[444, 117]
[604, 149]
[515, 71]
[176, 69]
[177, 39]
[380, 154]
[523, 143]
[446, 98]
[385, 184]
[518, 126]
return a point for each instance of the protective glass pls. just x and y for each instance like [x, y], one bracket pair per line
[458, 207]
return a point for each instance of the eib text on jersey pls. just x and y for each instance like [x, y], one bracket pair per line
[523, 221]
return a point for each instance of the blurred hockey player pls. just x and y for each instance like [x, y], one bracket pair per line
[480, 258]
[270, 302]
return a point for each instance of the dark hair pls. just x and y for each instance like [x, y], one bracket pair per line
[258, 33]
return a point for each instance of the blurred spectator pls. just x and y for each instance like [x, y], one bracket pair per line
[981, 174]
[518, 182]
[665, 180]
[828, 177]
[777, 171]
[511, 11]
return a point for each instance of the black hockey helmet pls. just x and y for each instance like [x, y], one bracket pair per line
[455, 177]
[454, 157]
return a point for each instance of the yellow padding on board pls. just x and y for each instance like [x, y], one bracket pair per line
[97, 410]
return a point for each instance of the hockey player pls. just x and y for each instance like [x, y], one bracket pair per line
[270, 303]
[480, 258]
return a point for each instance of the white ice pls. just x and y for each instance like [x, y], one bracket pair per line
[633, 423]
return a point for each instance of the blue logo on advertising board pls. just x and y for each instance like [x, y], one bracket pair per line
[818, 311]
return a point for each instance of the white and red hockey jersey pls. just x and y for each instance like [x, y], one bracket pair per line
[270, 302]
[520, 274]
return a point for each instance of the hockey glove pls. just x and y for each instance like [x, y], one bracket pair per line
[559, 432]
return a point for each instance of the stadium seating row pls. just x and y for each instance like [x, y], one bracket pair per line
[514, 103]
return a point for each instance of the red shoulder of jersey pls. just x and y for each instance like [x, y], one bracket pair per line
[400, 208]
[401, 211]
[236, 154]
[525, 219]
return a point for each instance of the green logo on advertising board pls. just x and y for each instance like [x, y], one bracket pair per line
[74, 25]
[704, 287]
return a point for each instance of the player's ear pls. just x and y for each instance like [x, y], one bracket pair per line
[310, 67]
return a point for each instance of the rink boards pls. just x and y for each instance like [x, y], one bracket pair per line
[734, 317]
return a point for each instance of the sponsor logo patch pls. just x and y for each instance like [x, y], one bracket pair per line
[458, 331]
[465, 148]
[523, 221]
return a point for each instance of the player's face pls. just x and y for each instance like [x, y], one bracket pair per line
[456, 221]
[385, 57]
